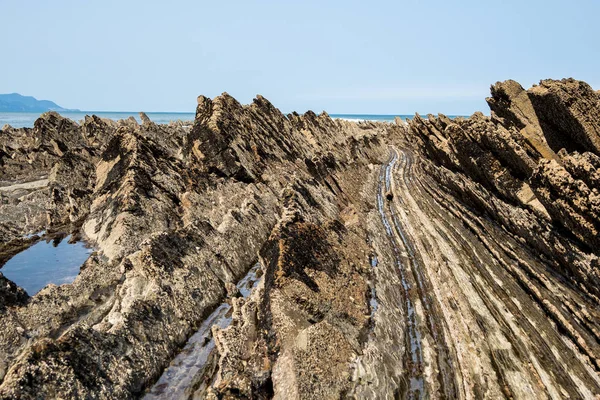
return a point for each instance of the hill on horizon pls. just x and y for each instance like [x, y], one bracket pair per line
[15, 102]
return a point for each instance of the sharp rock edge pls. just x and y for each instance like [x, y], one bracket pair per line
[443, 258]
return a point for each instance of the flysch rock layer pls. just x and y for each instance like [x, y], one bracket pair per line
[443, 258]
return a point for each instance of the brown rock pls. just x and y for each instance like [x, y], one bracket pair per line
[569, 114]
[11, 294]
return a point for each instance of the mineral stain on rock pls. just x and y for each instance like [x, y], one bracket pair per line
[435, 258]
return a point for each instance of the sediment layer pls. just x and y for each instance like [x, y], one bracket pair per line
[440, 258]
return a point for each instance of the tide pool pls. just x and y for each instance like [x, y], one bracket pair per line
[46, 262]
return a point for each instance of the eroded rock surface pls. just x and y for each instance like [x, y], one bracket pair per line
[175, 214]
[440, 258]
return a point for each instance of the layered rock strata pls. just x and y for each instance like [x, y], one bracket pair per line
[443, 258]
[176, 214]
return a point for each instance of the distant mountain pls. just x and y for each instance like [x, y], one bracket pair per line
[15, 102]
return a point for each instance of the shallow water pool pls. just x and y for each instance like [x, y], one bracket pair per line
[46, 262]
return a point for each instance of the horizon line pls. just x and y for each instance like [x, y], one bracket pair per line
[193, 112]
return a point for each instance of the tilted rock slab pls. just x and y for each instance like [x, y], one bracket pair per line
[454, 258]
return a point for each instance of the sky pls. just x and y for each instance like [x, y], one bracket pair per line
[377, 57]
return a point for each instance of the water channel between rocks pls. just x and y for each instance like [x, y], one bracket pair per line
[188, 368]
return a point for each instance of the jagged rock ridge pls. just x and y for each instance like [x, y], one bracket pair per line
[439, 258]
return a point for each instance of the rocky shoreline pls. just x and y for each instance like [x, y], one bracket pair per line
[439, 258]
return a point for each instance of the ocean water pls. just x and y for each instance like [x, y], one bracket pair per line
[26, 120]
[370, 117]
[20, 120]
[46, 262]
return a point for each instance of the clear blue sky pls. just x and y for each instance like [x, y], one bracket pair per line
[386, 57]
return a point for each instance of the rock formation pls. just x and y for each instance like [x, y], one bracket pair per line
[443, 258]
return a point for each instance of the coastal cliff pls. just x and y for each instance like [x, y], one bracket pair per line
[435, 258]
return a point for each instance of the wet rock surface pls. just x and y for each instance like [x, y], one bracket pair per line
[440, 258]
[10, 293]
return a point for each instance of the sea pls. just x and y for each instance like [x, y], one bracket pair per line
[26, 120]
